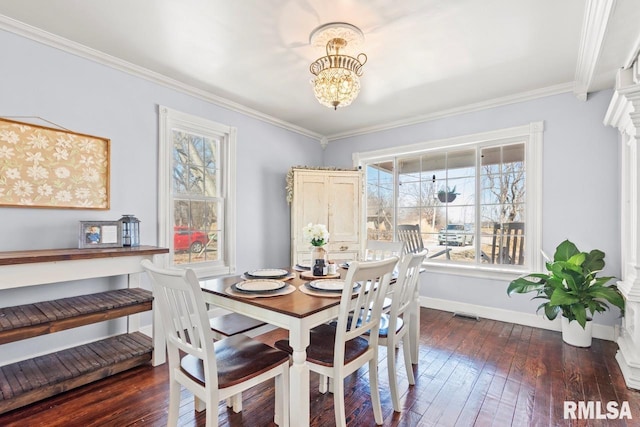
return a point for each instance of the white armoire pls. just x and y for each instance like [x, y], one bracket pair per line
[330, 197]
[624, 114]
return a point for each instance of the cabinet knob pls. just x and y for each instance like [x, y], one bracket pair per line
[344, 248]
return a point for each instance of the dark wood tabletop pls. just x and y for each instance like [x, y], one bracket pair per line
[296, 304]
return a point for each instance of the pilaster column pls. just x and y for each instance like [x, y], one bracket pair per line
[624, 114]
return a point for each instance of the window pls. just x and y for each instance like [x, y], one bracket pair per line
[476, 198]
[197, 186]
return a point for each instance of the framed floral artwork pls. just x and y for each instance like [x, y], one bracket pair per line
[52, 168]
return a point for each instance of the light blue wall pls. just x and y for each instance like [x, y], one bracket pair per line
[580, 199]
[87, 97]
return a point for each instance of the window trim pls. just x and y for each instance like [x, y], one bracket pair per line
[168, 118]
[532, 133]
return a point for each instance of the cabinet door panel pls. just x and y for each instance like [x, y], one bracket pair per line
[344, 209]
[310, 204]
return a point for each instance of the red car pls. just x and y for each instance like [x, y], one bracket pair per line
[185, 239]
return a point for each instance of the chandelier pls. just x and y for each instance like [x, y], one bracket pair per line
[337, 76]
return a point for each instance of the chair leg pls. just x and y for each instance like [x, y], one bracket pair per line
[174, 403]
[322, 386]
[236, 401]
[281, 416]
[199, 404]
[393, 377]
[406, 350]
[338, 402]
[211, 414]
[375, 390]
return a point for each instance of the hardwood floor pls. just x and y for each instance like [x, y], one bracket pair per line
[471, 373]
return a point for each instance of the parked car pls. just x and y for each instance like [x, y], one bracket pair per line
[456, 234]
[186, 239]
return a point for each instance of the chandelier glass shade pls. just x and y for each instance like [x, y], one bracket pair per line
[336, 81]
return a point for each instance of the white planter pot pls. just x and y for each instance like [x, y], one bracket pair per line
[574, 334]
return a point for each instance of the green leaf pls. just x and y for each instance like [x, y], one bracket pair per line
[577, 259]
[550, 311]
[580, 314]
[594, 261]
[564, 251]
[609, 294]
[561, 297]
[528, 283]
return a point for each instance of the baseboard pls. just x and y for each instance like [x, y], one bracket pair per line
[527, 319]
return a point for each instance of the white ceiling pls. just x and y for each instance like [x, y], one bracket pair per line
[426, 58]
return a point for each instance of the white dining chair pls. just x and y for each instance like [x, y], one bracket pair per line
[212, 371]
[378, 249]
[337, 350]
[411, 236]
[394, 325]
[228, 325]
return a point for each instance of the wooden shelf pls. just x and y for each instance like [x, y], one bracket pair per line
[35, 379]
[54, 255]
[30, 320]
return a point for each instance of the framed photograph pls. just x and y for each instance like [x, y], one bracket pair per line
[44, 167]
[100, 234]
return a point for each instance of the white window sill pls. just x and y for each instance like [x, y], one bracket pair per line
[481, 272]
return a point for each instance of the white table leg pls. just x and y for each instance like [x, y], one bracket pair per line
[299, 377]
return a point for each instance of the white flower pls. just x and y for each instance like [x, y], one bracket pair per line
[12, 173]
[62, 172]
[83, 193]
[6, 152]
[22, 188]
[35, 158]
[90, 175]
[9, 136]
[38, 141]
[63, 196]
[45, 190]
[37, 172]
[86, 160]
[86, 145]
[61, 154]
[316, 234]
[63, 143]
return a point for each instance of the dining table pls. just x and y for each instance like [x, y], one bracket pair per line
[297, 311]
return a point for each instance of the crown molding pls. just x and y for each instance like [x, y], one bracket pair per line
[479, 106]
[74, 48]
[594, 30]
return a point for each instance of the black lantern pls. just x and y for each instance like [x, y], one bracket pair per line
[130, 230]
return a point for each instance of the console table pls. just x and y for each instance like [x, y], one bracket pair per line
[40, 377]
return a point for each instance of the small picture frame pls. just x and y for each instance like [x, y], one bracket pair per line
[100, 234]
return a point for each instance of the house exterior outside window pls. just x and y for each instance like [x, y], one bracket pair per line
[197, 192]
[476, 198]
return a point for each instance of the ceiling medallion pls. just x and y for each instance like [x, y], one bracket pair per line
[337, 76]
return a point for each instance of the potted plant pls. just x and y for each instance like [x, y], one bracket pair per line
[448, 195]
[571, 288]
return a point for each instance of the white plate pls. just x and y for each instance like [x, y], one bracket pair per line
[327, 285]
[260, 285]
[268, 273]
